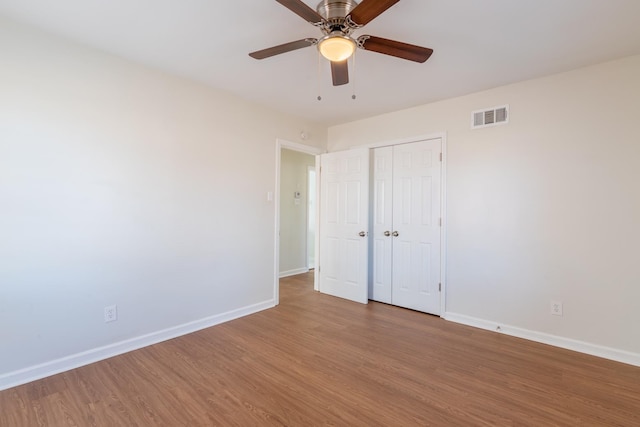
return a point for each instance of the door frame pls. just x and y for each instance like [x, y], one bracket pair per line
[307, 149]
[443, 199]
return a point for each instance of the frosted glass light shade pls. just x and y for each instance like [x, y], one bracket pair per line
[337, 48]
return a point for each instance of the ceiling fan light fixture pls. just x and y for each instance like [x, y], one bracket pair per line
[337, 47]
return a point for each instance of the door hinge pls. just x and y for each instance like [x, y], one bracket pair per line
[440, 222]
[440, 156]
[439, 287]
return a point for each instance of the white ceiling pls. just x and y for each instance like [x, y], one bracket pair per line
[478, 44]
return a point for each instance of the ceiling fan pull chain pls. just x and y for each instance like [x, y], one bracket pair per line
[319, 72]
[353, 79]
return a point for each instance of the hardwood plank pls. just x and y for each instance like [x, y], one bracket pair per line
[320, 360]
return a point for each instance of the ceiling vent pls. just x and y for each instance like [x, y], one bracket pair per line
[490, 117]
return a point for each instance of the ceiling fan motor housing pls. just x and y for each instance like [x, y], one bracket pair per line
[335, 9]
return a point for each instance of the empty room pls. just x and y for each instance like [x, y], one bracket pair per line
[337, 212]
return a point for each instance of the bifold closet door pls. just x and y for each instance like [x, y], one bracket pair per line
[406, 231]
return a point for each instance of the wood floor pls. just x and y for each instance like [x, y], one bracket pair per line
[317, 360]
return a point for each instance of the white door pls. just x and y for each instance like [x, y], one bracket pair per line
[344, 221]
[382, 210]
[417, 225]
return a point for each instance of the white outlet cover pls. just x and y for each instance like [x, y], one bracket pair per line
[556, 308]
[111, 313]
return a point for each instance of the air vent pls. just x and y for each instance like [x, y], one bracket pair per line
[490, 117]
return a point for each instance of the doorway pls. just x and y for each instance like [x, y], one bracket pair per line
[296, 237]
[293, 200]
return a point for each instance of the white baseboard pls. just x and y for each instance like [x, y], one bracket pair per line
[293, 272]
[554, 340]
[73, 361]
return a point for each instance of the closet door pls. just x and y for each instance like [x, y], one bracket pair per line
[406, 193]
[416, 226]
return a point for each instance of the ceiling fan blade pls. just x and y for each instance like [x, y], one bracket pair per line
[394, 48]
[283, 48]
[302, 10]
[340, 72]
[368, 10]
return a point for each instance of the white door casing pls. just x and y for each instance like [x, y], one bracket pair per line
[344, 222]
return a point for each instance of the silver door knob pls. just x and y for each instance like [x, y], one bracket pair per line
[362, 234]
[387, 233]
[395, 234]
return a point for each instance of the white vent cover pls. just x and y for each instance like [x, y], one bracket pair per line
[490, 117]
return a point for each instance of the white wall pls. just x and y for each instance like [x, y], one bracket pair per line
[123, 185]
[293, 214]
[545, 208]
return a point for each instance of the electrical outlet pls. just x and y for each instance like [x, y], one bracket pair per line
[111, 313]
[556, 308]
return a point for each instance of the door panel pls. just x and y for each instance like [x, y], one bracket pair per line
[416, 210]
[380, 289]
[426, 190]
[344, 183]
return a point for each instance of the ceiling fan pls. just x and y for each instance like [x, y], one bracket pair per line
[338, 19]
